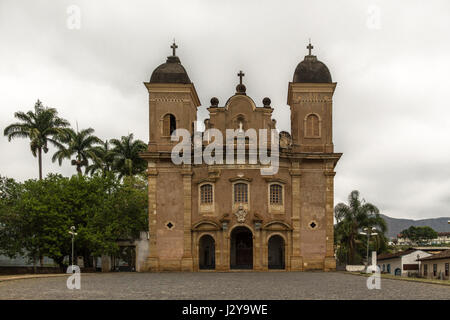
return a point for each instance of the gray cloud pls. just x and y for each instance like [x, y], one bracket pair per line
[391, 115]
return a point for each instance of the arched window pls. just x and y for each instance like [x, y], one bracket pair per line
[240, 193]
[206, 193]
[312, 126]
[276, 194]
[241, 123]
[169, 124]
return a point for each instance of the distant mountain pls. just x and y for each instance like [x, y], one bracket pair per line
[395, 226]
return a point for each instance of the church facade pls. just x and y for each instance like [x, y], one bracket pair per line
[225, 216]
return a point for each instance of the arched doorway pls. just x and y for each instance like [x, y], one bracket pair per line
[241, 248]
[276, 252]
[206, 253]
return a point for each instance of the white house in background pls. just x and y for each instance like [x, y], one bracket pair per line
[401, 263]
[443, 237]
[436, 266]
[402, 240]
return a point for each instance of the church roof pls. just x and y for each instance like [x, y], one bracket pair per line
[311, 70]
[170, 72]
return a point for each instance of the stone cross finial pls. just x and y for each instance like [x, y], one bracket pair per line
[174, 47]
[240, 75]
[310, 47]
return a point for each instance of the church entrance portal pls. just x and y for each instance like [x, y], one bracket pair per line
[241, 248]
[207, 253]
[276, 252]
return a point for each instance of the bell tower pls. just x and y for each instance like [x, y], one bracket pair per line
[310, 96]
[173, 102]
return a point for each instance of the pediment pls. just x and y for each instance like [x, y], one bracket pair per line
[205, 225]
[277, 225]
[240, 177]
[241, 103]
[270, 179]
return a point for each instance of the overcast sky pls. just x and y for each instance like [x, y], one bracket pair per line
[390, 60]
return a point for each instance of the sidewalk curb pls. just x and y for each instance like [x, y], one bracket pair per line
[30, 276]
[400, 279]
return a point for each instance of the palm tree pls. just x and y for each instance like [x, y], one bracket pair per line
[102, 159]
[41, 126]
[126, 156]
[79, 144]
[351, 219]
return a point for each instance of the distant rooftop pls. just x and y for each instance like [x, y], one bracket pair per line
[431, 248]
[443, 255]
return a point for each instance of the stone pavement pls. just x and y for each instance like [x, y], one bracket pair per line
[222, 286]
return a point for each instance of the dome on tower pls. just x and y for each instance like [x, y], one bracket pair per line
[311, 70]
[170, 72]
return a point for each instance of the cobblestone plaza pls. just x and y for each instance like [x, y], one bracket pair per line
[221, 286]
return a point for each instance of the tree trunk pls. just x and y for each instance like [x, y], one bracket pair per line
[352, 251]
[40, 162]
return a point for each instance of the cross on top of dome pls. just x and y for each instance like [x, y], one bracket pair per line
[310, 47]
[240, 75]
[174, 47]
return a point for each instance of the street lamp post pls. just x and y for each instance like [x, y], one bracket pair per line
[73, 233]
[369, 232]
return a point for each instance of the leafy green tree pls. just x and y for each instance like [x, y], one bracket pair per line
[127, 161]
[79, 144]
[36, 216]
[102, 159]
[419, 234]
[351, 219]
[125, 218]
[10, 192]
[42, 126]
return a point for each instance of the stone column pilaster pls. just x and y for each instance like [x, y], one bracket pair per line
[296, 258]
[187, 261]
[330, 260]
[152, 260]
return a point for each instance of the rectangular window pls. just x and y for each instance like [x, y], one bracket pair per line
[240, 193]
[276, 194]
[446, 269]
[206, 193]
[425, 269]
[435, 270]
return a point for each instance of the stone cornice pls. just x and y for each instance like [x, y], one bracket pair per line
[186, 172]
[295, 172]
[309, 91]
[173, 88]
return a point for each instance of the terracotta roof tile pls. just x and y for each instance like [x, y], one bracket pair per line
[442, 255]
